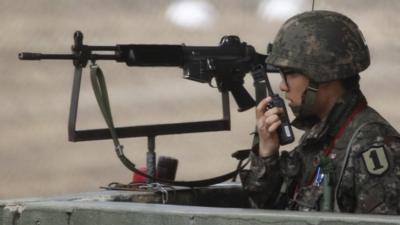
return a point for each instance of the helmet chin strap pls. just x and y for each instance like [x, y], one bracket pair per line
[304, 110]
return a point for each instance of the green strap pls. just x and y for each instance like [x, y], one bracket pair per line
[260, 86]
[100, 91]
[309, 98]
[327, 168]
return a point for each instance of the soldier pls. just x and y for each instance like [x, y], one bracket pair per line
[348, 159]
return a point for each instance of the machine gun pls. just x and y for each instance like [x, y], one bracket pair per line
[227, 63]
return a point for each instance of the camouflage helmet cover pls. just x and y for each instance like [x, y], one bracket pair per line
[323, 45]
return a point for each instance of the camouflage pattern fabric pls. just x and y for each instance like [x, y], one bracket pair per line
[370, 181]
[324, 45]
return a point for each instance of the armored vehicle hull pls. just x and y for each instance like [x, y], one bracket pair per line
[219, 204]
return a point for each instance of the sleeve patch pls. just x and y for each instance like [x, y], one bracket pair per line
[375, 160]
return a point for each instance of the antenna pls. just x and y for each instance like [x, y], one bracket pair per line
[312, 9]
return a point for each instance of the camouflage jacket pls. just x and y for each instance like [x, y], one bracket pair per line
[354, 150]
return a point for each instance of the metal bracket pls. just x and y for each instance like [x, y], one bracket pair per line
[145, 130]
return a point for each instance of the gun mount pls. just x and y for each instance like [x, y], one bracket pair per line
[227, 63]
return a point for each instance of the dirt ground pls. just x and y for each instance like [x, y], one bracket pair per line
[36, 158]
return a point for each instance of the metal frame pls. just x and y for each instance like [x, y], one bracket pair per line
[144, 130]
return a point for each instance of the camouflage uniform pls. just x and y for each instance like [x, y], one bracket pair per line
[350, 162]
[370, 181]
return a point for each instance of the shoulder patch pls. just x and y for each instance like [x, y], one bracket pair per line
[375, 160]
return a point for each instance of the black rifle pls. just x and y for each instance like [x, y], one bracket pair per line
[227, 63]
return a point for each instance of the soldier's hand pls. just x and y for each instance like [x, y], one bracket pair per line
[268, 122]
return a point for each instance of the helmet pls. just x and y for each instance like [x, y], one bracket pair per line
[323, 45]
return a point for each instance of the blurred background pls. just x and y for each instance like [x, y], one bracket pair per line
[36, 158]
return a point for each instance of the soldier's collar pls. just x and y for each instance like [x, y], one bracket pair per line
[339, 113]
[343, 109]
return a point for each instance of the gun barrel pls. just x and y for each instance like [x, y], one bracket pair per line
[39, 56]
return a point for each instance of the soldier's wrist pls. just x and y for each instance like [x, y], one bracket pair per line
[266, 151]
[262, 166]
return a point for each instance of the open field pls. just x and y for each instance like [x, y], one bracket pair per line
[35, 157]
